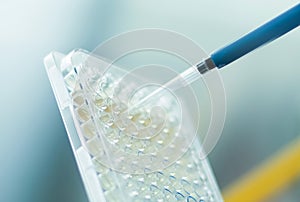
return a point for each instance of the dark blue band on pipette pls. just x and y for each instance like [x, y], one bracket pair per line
[258, 37]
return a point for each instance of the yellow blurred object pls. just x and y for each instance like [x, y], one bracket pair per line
[267, 179]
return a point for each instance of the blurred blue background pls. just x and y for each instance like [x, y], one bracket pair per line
[36, 161]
